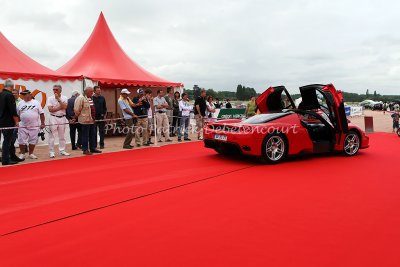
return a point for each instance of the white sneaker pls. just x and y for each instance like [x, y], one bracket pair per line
[52, 155]
[33, 156]
[63, 153]
[21, 156]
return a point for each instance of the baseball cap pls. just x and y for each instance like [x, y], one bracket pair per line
[140, 91]
[26, 92]
[125, 91]
[75, 92]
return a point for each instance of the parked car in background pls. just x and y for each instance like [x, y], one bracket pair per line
[370, 104]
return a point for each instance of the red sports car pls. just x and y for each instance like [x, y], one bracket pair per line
[317, 125]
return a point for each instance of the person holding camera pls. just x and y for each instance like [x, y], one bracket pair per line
[30, 111]
[140, 108]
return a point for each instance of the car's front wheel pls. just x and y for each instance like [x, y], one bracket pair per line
[398, 132]
[351, 144]
[274, 148]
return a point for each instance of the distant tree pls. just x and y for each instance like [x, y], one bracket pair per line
[375, 95]
[196, 91]
[239, 92]
[189, 92]
[245, 93]
[212, 93]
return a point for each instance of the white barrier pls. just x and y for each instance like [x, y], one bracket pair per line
[356, 111]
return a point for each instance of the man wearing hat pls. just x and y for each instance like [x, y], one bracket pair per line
[30, 111]
[125, 103]
[140, 108]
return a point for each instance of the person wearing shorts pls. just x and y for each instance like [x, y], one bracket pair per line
[30, 112]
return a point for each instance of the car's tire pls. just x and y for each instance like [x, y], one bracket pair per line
[274, 148]
[351, 144]
[398, 132]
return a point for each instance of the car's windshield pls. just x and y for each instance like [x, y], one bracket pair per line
[263, 118]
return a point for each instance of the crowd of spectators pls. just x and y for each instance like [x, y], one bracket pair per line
[86, 115]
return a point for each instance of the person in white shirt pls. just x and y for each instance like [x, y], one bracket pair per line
[150, 124]
[161, 106]
[29, 111]
[185, 108]
[210, 108]
[57, 105]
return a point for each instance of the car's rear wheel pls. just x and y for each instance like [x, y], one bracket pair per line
[351, 144]
[398, 132]
[274, 148]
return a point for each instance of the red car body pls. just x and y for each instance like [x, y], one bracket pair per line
[318, 125]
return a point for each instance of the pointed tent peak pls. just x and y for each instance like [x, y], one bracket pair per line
[17, 65]
[101, 58]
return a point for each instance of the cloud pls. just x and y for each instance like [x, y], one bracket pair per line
[218, 44]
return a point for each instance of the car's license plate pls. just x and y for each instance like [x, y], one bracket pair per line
[220, 137]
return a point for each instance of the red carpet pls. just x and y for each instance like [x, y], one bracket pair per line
[315, 211]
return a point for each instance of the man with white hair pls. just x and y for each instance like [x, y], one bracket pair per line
[8, 118]
[30, 111]
[74, 126]
[57, 105]
[86, 112]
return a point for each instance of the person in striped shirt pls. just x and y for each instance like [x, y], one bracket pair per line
[86, 113]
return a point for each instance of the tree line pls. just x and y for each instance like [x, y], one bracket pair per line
[244, 93]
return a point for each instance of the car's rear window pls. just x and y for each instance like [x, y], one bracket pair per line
[263, 118]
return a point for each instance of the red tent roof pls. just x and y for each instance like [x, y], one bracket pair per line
[103, 59]
[17, 65]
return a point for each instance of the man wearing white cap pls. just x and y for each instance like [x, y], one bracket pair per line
[57, 105]
[125, 103]
[29, 111]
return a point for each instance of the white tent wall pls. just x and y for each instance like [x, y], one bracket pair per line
[42, 90]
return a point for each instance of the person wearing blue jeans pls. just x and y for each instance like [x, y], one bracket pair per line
[184, 108]
[85, 110]
[89, 137]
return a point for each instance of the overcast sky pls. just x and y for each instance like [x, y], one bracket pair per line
[354, 44]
